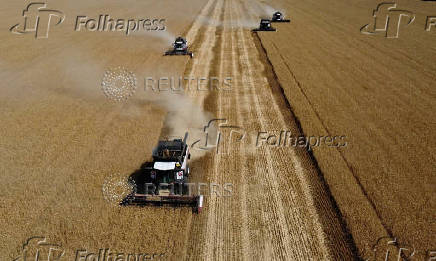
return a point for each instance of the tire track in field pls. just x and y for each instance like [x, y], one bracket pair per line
[296, 161]
[272, 215]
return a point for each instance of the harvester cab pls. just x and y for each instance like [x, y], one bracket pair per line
[265, 25]
[170, 161]
[166, 178]
[180, 47]
[278, 17]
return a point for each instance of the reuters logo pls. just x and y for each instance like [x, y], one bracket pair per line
[118, 84]
[116, 188]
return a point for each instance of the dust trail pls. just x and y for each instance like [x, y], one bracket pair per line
[163, 39]
[262, 9]
[76, 76]
[79, 76]
[245, 23]
[257, 9]
[265, 9]
[88, 85]
[183, 115]
[165, 36]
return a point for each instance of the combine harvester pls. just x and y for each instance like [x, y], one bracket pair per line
[165, 178]
[265, 25]
[278, 17]
[180, 47]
